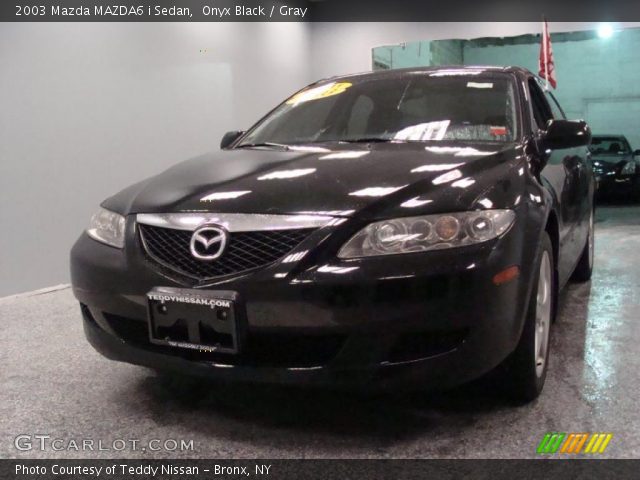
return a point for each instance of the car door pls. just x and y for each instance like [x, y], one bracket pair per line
[580, 160]
[562, 174]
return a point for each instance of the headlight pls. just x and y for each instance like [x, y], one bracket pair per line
[107, 227]
[629, 168]
[430, 232]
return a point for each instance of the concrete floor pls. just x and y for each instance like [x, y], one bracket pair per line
[53, 383]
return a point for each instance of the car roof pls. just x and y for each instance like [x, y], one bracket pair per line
[400, 72]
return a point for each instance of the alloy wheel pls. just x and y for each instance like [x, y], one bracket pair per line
[543, 313]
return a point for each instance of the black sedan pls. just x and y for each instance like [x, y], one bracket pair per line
[380, 230]
[616, 166]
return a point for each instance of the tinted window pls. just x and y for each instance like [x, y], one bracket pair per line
[558, 113]
[359, 117]
[541, 110]
[305, 122]
[414, 107]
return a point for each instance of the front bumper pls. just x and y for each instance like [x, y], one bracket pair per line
[430, 320]
[617, 185]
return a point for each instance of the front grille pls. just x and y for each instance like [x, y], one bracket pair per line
[245, 250]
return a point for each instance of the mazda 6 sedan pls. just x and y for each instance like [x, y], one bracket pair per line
[379, 230]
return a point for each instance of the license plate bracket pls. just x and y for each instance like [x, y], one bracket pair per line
[206, 320]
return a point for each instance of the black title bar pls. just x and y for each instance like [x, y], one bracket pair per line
[264, 469]
[155, 11]
[317, 10]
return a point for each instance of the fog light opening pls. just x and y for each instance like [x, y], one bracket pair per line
[506, 275]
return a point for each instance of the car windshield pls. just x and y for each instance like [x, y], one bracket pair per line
[609, 146]
[425, 106]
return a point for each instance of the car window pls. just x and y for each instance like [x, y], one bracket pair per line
[557, 111]
[540, 107]
[429, 106]
[308, 122]
[359, 118]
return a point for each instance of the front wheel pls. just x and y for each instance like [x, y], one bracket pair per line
[526, 367]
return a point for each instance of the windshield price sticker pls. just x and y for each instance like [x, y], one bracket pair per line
[316, 93]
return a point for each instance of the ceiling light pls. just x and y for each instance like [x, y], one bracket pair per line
[605, 30]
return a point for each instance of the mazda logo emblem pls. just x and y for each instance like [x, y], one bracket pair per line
[208, 242]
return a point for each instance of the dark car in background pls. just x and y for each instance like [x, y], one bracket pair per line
[616, 166]
[405, 227]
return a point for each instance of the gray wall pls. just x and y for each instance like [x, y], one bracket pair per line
[86, 109]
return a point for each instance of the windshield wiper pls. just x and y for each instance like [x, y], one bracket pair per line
[264, 144]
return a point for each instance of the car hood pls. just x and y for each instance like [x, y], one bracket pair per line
[311, 180]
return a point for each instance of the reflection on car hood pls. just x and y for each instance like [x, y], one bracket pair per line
[311, 180]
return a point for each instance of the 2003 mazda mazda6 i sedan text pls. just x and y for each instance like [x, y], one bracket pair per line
[407, 227]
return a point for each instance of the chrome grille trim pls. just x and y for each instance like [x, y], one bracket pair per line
[246, 251]
[235, 222]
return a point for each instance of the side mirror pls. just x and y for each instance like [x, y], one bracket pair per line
[565, 134]
[229, 138]
[636, 152]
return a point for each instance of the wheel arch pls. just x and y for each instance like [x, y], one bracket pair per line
[552, 229]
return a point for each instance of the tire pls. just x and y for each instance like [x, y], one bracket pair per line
[584, 268]
[525, 370]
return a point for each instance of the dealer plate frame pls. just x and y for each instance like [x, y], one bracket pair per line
[226, 318]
